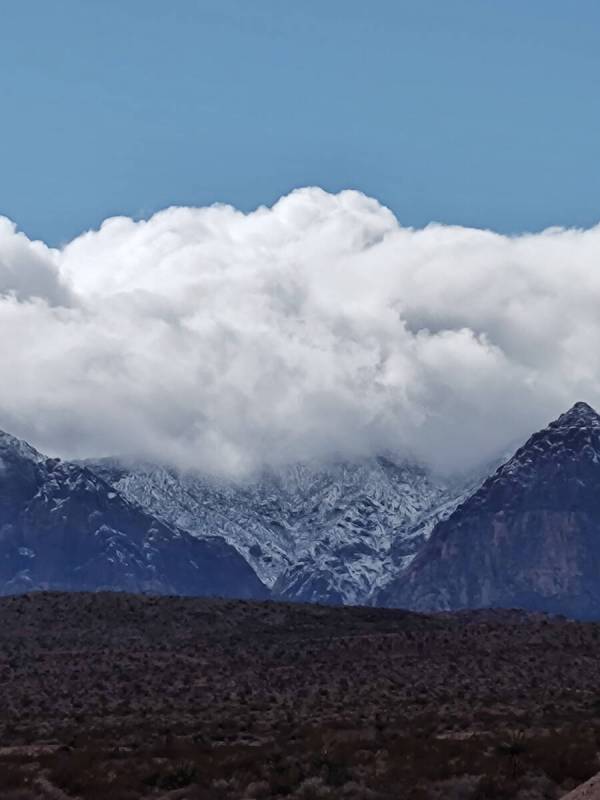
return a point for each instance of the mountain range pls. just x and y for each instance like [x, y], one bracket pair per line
[382, 531]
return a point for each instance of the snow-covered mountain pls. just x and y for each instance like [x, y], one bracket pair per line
[63, 527]
[322, 533]
[380, 531]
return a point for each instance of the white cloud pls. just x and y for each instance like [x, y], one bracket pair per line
[320, 327]
[28, 269]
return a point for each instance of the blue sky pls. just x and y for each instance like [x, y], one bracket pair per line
[475, 112]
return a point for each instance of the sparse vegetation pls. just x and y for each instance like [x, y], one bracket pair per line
[139, 697]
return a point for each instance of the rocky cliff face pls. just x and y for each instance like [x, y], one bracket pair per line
[63, 527]
[529, 537]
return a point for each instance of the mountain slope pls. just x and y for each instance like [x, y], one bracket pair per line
[63, 527]
[321, 533]
[529, 537]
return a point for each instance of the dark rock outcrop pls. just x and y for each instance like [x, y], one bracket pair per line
[528, 538]
[62, 527]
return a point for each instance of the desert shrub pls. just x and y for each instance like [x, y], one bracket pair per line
[257, 790]
[177, 776]
[496, 786]
[313, 789]
[12, 777]
[566, 754]
[75, 771]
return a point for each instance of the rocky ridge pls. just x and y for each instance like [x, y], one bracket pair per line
[528, 538]
[63, 527]
[331, 533]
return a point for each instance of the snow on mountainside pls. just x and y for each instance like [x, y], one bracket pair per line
[63, 528]
[317, 533]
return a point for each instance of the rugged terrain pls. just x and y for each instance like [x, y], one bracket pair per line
[529, 537]
[330, 533]
[376, 532]
[63, 527]
[120, 696]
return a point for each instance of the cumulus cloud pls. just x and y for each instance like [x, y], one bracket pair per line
[318, 328]
[28, 269]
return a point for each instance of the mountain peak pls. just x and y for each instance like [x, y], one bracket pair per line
[10, 444]
[528, 538]
[580, 414]
[566, 452]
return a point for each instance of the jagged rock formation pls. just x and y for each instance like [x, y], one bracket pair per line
[528, 538]
[316, 533]
[63, 527]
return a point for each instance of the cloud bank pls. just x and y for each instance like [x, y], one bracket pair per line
[319, 328]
